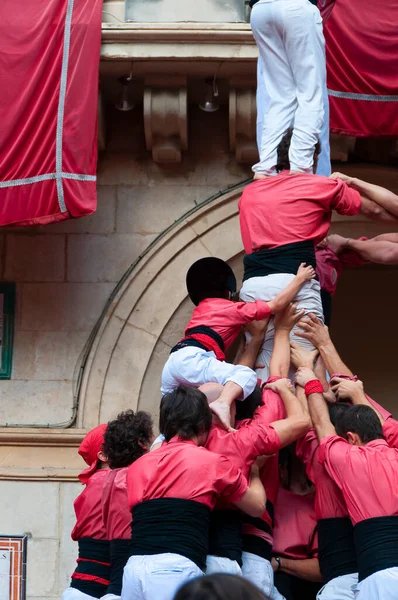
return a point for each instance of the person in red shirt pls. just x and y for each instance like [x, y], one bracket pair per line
[296, 566]
[126, 439]
[358, 458]
[91, 577]
[283, 218]
[216, 322]
[171, 492]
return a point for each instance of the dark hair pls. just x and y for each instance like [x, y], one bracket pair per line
[247, 408]
[220, 586]
[362, 420]
[283, 151]
[336, 409]
[123, 436]
[184, 412]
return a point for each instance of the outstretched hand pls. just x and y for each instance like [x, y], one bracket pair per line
[303, 376]
[337, 242]
[346, 178]
[313, 330]
[301, 357]
[258, 329]
[280, 385]
[346, 389]
[288, 318]
[305, 273]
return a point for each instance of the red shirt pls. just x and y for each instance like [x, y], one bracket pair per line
[367, 476]
[390, 432]
[88, 509]
[115, 508]
[295, 531]
[181, 469]
[292, 208]
[273, 410]
[329, 266]
[226, 317]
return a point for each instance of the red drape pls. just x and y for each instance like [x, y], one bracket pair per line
[362, 61]
[49, 61]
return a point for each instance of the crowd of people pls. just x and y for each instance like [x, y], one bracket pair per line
[274, 475]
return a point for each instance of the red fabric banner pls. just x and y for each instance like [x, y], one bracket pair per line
[49, 62]
[362, 50]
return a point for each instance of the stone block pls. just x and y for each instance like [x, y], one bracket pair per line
[102, 221]
[36, 402]
[62, 306]
[46, 355]
[35, 258]
[42, 572]
[103, 257]
[122, 169]
[29, 507]
[150, 209]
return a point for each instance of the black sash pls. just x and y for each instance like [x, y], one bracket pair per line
[201, 330]
[255, 544]
[120, 553]
[225, 538]
[171, 525]
[283, 259]
[92, 572]
[376, 542]
[337, 555]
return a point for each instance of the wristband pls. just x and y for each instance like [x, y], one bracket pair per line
[278, 561]
[313, 387]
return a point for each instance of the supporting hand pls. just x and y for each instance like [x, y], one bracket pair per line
[303, 376]
[314, 330]
[288, 318]
[305, 273]
[301, 357]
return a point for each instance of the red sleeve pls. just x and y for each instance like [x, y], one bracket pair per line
[229, 481]
[346, 201]
[307, 451]
[245, 312]
[333, 452]
[390, 432]
[260, 436]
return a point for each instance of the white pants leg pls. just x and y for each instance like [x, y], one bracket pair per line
[262, 101]
[73, 594]
[259, 571]
[339, 588]
[110, 597]
[157, 577]
[266, 288]
[382, 585]
[194, 366]
[220, 564]
[291, 44]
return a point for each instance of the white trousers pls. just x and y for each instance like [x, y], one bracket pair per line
[221, 564]
[266, 288]
[382, 585]
[339, 588]
[74, 594]
[110, 597]
[262, 99]
[259, 571]
[289, 36]
[157, 577]
[194, 366]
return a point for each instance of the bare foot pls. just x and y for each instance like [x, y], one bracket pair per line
[258, 176]
[223, 412]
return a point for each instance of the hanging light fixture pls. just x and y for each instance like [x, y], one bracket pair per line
[124, 104]
[211, 103]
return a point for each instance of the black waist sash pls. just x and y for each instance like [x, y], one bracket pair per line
[120, 553]
[93, 567]
[337, 555]
[376, 543]
[196, 336]
[225, 538]
[171, 525]
[283, 259]
[255, 544]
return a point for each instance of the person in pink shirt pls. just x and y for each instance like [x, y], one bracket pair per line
[283, 218]
[363, 466]
[215, 323]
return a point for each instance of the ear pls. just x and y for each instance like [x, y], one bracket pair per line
[144, 445]
[102, 457]
[353, 439]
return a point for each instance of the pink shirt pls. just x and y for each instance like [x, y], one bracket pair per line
[115, 508]
[88, 509]
[292, 208]
[329, 266]
[226, 317]
[390, 432]
[181, 469]
[295, 531]
[367, 476]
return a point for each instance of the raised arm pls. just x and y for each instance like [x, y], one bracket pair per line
[318, 334]
[284, 323]
[380, 250]
[287, 295]
[316, 403]
[297, 422]
[257, 330]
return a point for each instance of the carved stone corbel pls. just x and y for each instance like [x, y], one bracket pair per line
[165, 119]
[242, 124]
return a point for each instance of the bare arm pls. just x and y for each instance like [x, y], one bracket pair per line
[319, 412]
[252, 349]
[307, 568]
[383, 197]
[380, 251]
[280, 358]
[254, 499]
[297, 422]
[286, 296]
[317, 333]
